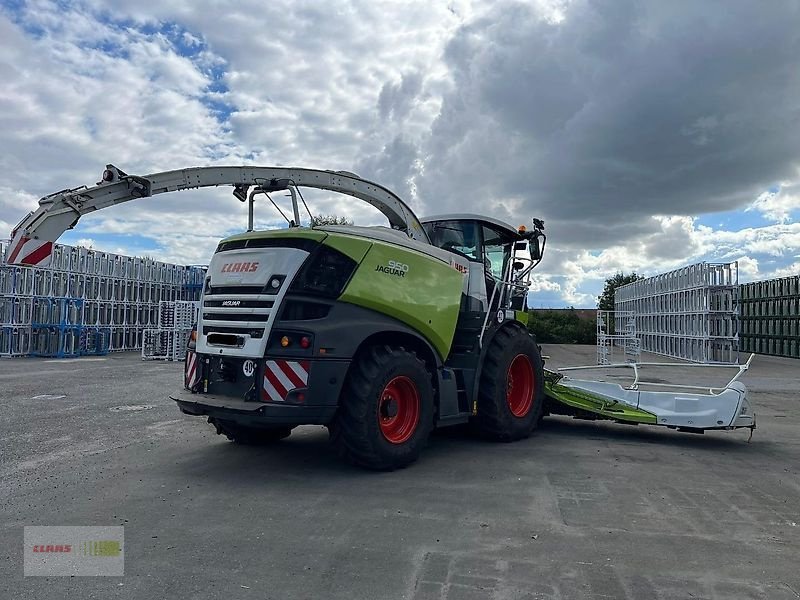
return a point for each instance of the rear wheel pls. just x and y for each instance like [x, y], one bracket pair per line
[250, 436]
[511, 393]
[386, 409]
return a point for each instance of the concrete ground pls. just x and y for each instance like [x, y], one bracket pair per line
[579, 510]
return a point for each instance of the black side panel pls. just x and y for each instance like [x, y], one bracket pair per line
[344, 327]
[347, 326]
[450, 410]
[468, 330]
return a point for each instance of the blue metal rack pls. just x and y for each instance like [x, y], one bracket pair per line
[57, 326]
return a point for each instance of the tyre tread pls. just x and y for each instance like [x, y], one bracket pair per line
[349, 432]
[494, 420]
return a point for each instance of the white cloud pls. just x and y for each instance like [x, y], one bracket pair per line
[589, 115]
[787, 271]
[777, 205]
[748, 269]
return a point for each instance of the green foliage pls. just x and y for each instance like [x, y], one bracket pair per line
[606, 300]
[318, 220]
[562, 327]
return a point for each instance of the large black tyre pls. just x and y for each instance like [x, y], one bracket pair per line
[250, 436]
[385, 411]
[511, 389]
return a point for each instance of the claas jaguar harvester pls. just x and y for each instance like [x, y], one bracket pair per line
[380, 333]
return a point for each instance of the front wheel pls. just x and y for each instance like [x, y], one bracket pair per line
[511, 392]
[386, 410]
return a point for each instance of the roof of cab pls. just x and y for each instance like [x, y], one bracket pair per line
[496, 223]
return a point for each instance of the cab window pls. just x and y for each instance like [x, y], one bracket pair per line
[461, 237]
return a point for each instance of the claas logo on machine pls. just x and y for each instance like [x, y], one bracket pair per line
[240, 267]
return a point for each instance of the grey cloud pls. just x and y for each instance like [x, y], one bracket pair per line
[394, 167]
[673, 242]
[396, 98]
[621, 111]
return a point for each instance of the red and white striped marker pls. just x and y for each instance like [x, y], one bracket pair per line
[26, 251]
[192, 372]
[283, 376]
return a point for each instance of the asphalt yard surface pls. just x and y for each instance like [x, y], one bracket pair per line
[580, 510]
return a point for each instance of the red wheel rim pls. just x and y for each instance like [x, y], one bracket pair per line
[398, 410]
[519, 385]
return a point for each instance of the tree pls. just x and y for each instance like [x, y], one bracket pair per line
[562, 327]
[319, 220]
[606, 300]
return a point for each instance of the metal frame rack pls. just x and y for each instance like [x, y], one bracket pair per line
[771, 317]
[87, 302]
[617, 329]
[690, 313]
[169, 340]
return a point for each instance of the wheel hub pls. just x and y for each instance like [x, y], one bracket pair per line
[389, 407]
[520, 385]
[398, 410]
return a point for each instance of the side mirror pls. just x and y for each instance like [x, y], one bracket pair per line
[533, 246]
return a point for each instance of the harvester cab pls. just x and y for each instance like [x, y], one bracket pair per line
[500, 257]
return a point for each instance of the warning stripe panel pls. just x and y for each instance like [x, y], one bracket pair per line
[300, 370]
[271, 393]
[276, 369]
[191, 369]
[40, 256]
[283, 376]
[31, 252]
[11, 257]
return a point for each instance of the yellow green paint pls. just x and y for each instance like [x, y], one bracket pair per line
[426, 297]
[597, 404]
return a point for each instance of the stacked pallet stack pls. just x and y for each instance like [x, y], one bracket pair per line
[771, 317]
[87, 302]
[690, 313]
[616, 337]
[169, 340]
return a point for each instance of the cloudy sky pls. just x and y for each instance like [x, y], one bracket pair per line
[647, 134]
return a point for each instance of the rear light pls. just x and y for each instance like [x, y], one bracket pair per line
[192, 343]
[296, 342]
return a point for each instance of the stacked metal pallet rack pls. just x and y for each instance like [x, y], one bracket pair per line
[771, 317]
[87, 302]
[690, 313]
[170, 339]
[617, 330]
